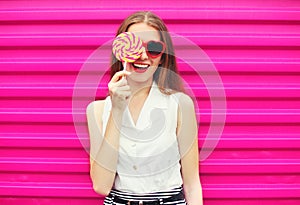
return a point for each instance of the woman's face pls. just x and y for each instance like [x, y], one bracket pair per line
[144, 68]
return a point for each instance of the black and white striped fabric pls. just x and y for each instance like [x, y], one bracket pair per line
[172, 197]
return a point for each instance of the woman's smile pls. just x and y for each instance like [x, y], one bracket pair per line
[140, 67]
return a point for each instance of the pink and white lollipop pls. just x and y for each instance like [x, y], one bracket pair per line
[127, 47]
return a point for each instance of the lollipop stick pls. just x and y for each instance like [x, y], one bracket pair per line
[124, 69]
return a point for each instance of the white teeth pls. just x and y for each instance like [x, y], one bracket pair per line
[140, 65]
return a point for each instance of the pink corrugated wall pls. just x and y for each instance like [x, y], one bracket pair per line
[253, 44]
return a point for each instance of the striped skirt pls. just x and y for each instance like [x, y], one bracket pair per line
[174, 196]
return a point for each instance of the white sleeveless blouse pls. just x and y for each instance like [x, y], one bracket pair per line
[149, 158]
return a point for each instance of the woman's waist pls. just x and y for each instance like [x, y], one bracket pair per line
[146, 196]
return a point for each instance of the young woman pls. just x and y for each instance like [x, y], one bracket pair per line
[144, 147]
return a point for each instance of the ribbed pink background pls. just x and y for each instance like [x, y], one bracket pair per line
[253, 44]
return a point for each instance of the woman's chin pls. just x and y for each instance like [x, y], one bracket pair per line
[140, 77]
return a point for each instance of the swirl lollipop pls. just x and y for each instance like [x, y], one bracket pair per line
[127, 47]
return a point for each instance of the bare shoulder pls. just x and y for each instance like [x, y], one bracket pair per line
[186, 106]
[95, 107]
[186, 116]
[185, 100]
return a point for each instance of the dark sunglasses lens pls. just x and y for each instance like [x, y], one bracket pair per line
[154, 48]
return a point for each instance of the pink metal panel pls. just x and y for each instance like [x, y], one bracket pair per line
[290, 14]
[234, 116]
[254, 46]
[202, 39]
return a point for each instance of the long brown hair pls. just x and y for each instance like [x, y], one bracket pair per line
[166, 76]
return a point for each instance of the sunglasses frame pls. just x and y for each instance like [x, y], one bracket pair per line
[145, 44]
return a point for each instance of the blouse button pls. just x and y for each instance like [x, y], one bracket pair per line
[133, 145]
[134, 167]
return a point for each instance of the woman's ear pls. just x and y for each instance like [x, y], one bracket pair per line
[160, 61]
[162, 58]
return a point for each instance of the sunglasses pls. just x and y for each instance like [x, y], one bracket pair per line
[154, 49]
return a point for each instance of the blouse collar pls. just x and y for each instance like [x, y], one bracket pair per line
[155, 100]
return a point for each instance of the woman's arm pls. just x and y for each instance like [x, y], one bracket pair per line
[104, 150]
[187, 132]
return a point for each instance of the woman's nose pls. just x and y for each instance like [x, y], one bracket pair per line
[144, 55]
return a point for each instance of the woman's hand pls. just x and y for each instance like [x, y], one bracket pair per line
[119, 91]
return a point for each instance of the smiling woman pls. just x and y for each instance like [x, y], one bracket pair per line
[148, 151]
